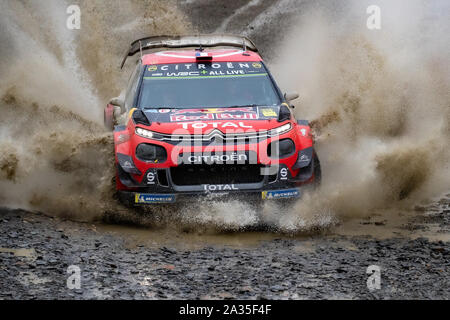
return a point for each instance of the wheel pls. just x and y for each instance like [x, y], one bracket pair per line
[317, 171]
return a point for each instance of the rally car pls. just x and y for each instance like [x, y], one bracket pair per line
[202, 116]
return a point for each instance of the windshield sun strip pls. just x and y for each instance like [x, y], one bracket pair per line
[207, 77]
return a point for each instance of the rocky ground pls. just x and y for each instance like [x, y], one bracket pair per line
[36, 252]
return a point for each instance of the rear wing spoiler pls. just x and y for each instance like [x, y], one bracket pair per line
[188, 41]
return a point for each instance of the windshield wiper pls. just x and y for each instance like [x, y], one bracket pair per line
[245, 106]
[201, 108]
[159, 108]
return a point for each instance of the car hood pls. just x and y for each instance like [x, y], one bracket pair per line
[203, 120]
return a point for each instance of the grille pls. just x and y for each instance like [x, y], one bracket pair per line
[184, 175]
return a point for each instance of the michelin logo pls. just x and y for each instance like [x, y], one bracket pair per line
[141, 198]
[292, 193]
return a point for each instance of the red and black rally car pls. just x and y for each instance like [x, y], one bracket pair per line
[202, 115]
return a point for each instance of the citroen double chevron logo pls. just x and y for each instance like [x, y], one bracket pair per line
[215, 135]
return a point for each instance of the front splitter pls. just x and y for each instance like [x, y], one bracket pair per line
[136, 198]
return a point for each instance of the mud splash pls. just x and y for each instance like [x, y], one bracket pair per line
[52, 159]
[55, 154]
[380, 100]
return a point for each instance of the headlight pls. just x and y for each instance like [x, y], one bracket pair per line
[144, 133]
[280, 130]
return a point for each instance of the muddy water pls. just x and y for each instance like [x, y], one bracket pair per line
[156, 238]
[381, 122]
[27, 253]
[381, 224]
[148, 237]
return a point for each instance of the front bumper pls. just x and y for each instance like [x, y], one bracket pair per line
[168, 185]
[159, 187]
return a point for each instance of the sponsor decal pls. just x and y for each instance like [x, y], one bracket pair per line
[304, 158]
[203, 70]
[201, 125]
[181, 117]
[243, 116]
[217, 159]
[151, 178]
[303, 131]
[166, 114]
[284, 174]
[143, 198]
[268, 113]
[211, 116]
[181, 74]
[214, 110]
[244, 113]
[279, 194]
[231, 157]
[219, 187]
[127, 165]
[193, 75]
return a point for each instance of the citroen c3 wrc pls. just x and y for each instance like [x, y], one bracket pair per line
[202, 115]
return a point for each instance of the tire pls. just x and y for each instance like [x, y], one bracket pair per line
[317, 171]
[125, 199]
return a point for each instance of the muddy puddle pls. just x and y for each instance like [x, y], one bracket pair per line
[188, 241]
[382, 224]
[20, 252]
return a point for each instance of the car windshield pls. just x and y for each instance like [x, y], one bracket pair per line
[207, 85]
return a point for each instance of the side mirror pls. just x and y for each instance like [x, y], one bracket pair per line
[117, 112]
[291, 96]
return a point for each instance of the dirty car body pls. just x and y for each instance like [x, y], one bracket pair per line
[205, 117]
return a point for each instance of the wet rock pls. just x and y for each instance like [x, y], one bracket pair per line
[276, 288]
[166, 250]
[411, 269]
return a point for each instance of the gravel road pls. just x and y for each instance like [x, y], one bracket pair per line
[37, 251]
